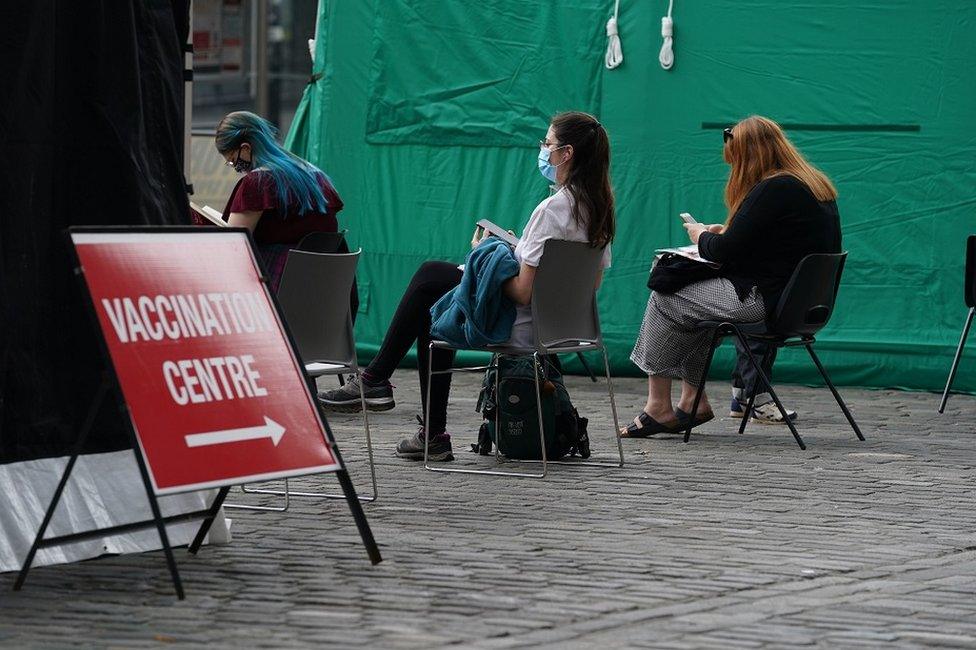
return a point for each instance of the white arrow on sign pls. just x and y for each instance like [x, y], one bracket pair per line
[270, 429]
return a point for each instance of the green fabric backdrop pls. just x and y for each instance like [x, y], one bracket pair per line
[427, 113]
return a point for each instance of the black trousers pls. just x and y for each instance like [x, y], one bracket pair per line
[411, 323]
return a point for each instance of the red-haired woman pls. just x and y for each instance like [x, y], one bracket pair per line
[780, 209]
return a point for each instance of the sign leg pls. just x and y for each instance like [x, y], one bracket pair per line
[352, 499]
[22, 576]
[208, 522]
[96, 405]
[158, 518]
[163, 537]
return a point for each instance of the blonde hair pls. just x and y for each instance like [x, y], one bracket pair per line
[759, 149]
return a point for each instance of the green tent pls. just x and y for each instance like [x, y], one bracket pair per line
[427, 115]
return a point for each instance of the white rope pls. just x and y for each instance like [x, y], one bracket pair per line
[615, 53]
[667, 30]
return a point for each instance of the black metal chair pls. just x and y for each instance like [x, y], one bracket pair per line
[971, 303]
[803, 310]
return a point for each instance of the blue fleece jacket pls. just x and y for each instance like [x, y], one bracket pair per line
[478, 313]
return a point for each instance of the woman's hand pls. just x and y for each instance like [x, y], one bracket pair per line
[476, 239]
[695, 230]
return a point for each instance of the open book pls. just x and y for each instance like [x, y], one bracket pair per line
[690, 252]
[206, 216]
[499, 232]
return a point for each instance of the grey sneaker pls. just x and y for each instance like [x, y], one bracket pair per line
[345, 399]
[413, 448]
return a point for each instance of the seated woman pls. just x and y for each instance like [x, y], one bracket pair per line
[281, 198]
[575, 156]
[780, 209]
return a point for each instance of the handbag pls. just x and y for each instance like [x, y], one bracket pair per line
[673, 272]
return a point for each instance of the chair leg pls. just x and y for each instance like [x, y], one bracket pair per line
[701, 384]
[772, 393]
[830, 385]
[498, 456]
[495, 361]
[586, 366]
[752, 395]
[323, 495]
[613, 408]
[430, 374]
[616, 429]
[288, 493]
[369, 441]
[538, 410]
[955, 361]
[283, 508]
[545, 461]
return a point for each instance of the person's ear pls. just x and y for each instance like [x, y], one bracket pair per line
[246, 148]
[567, 152]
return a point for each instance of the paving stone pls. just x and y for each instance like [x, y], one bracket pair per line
[729, 541]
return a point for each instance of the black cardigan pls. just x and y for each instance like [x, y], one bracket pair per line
[778, 224]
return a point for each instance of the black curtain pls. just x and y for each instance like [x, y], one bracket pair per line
[91, 133]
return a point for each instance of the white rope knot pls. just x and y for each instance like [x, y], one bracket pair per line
[666, 57]
[615, 52]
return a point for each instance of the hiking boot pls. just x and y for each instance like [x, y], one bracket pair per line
[345, 399]
[439, 449]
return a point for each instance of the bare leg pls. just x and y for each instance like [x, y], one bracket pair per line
[687, 399]
[658, 404]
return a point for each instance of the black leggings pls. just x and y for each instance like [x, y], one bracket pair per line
[411, 322]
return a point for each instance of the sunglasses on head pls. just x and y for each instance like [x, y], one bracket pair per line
[726, 135]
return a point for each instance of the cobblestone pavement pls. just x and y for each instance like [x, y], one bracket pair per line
[729, 541]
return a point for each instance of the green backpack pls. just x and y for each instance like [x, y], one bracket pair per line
[518, 421]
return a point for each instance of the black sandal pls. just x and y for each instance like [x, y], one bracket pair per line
[700, 418]
[648, 427]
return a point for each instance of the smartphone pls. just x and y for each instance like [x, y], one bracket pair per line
[498, 231]
[687, 218]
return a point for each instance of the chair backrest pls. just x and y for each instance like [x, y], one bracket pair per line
[808, 299]
[314, 298]
[971, 271]
[323, 242]
[564, 294]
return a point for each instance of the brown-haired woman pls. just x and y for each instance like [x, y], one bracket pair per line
[780, 209]
[575, 158]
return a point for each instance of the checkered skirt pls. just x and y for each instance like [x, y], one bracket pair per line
[669, 345]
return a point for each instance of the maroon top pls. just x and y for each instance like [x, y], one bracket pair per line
[257, 191]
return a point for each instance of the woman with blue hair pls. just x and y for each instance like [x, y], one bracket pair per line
[281, 197]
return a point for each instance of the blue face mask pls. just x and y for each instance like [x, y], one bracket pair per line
[548, 169]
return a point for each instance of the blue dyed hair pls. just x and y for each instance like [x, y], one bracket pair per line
[294, 178]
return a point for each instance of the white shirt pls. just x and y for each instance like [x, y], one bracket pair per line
[551, 219]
